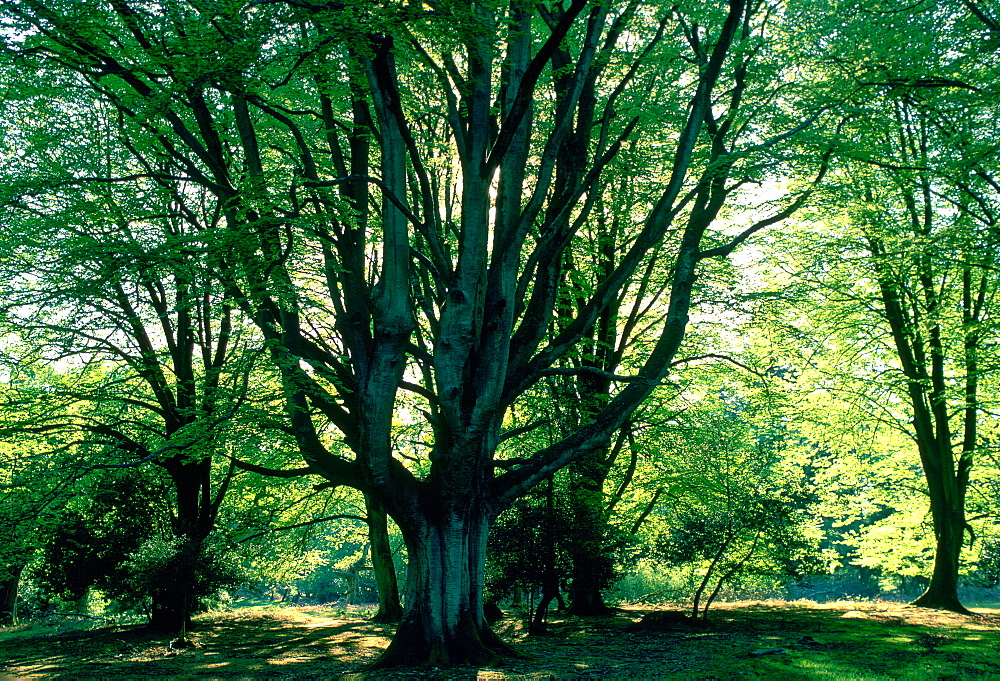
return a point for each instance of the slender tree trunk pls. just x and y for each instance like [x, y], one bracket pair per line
[8, 597]
[696, 600]
[549, 593]
[443, 621]
[592, 564]
[390, 609]
[351, 575]
[550, 578]
[949, 529]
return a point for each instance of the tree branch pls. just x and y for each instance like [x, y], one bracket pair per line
[339, 516]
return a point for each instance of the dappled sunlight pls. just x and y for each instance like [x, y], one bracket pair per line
[769, 639]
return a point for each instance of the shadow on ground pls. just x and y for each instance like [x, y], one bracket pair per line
[762, 640]
[285, 643]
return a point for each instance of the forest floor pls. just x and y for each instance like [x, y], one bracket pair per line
[776, 640]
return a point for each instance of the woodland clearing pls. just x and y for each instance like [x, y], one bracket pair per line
[762, 639]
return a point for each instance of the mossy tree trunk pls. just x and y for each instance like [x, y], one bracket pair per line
[443, 622]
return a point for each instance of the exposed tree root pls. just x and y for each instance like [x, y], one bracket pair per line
[936, 601]
[468, 646]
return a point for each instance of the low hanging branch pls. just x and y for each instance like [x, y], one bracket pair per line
[724, 358]
[273, 472]
[576, 371]
[146, 459]
[339, 516]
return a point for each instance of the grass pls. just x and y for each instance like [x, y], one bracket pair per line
[774, 640]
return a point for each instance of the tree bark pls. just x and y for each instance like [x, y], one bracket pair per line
[8, 597]
[942, 591]
[171, 612]
[550, 575]
[443, 621]
[196, 510]
[390, 609]
[592, 565]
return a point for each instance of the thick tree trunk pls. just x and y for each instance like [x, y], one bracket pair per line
[174, 605]
[390, 609]
[176, 599]
[927, 389]
[443, 621]
[8, 597]
[171, 612]
[586, 596]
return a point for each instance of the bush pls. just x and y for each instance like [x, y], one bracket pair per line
[166, 566]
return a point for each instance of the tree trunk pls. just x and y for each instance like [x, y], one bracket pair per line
[174, 602]
[921, 354]
[443, 621]
[176, 598]
[171, 612]
[550, 591]
[390, 609]
[550, 577]
[8, 597]
[942, 591]
[586, 596]
[592, 564]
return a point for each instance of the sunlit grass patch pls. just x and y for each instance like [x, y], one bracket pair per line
[799, 641]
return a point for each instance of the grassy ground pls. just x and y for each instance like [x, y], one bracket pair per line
[763, 640]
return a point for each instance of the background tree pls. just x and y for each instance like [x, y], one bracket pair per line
[917, 275]
[38, 475]
[105, 274]
[919, 198]
[740, 502]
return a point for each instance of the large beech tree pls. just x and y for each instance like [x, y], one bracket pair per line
[402, 188]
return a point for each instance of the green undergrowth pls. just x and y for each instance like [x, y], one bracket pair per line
[774, 640]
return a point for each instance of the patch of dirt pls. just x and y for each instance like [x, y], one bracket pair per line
[752, 639]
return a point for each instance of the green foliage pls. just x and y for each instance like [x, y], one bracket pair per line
[114, 538]
[162, 568]
[739, 504]
[650, 581]
[337, 573]
[95, 537]
[196, 272]
[530, 544]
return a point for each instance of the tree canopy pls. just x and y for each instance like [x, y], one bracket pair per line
[445, 254]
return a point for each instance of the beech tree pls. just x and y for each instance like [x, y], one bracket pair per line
[917, 192]
[907, 313]
[37, 476]
[111, 294]
[916, 293]
[587, 383]
[401, 188]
